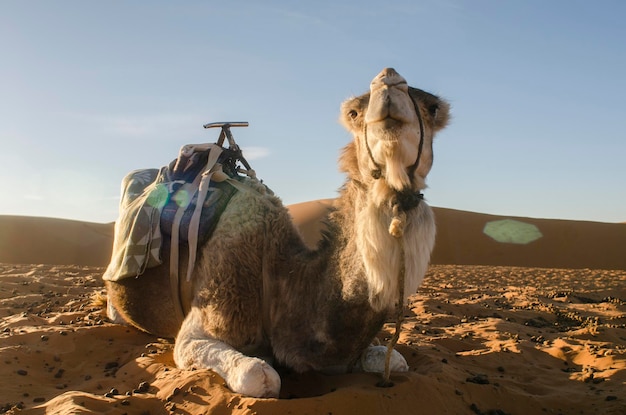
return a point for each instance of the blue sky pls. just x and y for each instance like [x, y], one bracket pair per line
[92, 90]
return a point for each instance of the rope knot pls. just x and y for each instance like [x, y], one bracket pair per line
[407, 199]
[402, 202]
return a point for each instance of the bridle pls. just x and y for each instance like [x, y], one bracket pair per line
[406, 199]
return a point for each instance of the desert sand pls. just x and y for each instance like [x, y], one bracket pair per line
[496, 328]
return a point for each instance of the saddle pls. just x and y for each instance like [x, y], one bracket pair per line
[182, 201]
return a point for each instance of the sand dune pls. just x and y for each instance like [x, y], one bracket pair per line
[496, 328]
[460, 240]
[36, 240]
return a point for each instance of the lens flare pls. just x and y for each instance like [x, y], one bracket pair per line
[512, 231]
[158, 197]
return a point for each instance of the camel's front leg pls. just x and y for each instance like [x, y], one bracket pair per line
[373, 360]
[243, 374]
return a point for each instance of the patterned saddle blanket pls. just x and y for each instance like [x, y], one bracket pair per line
[182, 201]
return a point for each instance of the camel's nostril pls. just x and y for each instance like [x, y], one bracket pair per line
[388, 72]
[388, 77]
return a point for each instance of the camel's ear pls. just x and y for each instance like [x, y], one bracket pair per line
[440, 113]
[352, 117]
[352, 113]
[438, 110]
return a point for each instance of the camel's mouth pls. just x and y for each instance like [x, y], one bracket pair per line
[390, 123]
[388, 129]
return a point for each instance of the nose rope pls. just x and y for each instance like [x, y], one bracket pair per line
[414, 166]
[377, 172]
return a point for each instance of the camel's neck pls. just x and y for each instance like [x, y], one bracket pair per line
[365, 221]
[339, 295]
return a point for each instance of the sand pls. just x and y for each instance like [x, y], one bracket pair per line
[495, 329]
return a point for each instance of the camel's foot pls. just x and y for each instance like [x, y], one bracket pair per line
[373, 360]
[254, 377]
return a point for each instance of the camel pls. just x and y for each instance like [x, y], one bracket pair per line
[259, 295]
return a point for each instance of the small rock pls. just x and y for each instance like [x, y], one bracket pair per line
[175, 392]
[143, 387]
[111, 365]
[479, 379]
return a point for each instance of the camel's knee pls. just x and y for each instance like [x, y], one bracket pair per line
[373, 360]
[192, 346]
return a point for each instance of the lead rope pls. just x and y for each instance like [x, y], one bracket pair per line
[398, 233]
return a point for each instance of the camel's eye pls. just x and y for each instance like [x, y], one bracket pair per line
[353, 114]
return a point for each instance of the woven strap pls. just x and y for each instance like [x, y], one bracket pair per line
[199, 187]
[203, 189]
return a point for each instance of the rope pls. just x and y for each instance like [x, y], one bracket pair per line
[396, 229]
[386, 382]
[377, 172]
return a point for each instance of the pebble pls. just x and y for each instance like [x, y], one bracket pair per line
[111, 365]
[175, 392]
[479, 379]
[143, 387]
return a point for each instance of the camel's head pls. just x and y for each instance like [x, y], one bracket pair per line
[393, 126]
